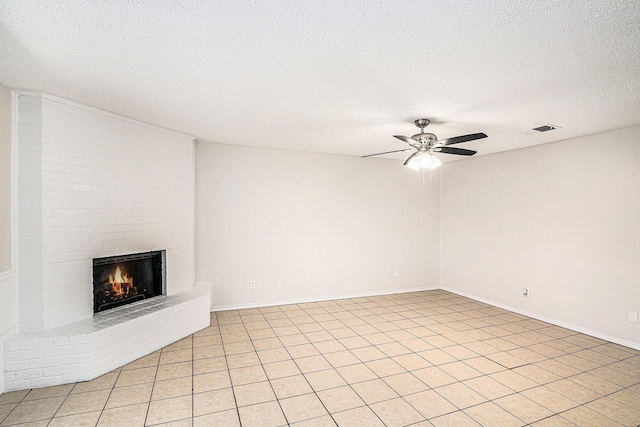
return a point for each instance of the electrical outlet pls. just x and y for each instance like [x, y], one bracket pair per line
[389, 273]
[633, 316]
[525, 292]
[252, 284]
[278, 282]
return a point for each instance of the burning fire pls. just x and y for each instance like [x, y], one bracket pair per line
[120, 284]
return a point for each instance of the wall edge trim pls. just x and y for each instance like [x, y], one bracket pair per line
[7, 274]
[100, 111]
[6, 334]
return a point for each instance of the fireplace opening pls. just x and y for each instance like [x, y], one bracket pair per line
[124, 279]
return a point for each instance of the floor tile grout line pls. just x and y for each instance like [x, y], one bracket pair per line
[579, 342]
[268, 379]
[193, 374]
[378, 376]
[228, 373]
[305, 378]
[508, 368]
[348, 384]
[153, 386]
[303, 375]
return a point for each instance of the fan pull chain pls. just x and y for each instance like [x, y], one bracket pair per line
[423, 174]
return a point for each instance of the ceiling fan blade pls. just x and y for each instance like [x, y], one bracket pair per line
[387, 152]
[463, 138]
[454, 150]
[406, 139]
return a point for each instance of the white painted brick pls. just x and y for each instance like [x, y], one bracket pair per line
[80, 339]
[30, 111]
[27, 374]
[46, 341]
[58, 371]
[75, 359]
[64, 350]
[30, 128]
[11, 384]
[107, 347]
[44, 362]
[16, 366]
[78, 150]
[11, 346]
[28, 344]
[74, 206]
[26, 354]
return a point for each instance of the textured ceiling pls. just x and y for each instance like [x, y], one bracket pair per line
[335, 76]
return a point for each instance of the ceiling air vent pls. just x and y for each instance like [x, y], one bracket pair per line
[544, 128]
[538, 129]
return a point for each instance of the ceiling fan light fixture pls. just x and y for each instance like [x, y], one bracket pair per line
[425, 161]
[426, 143]
[435, 162]
[422, 160]
[413, 162]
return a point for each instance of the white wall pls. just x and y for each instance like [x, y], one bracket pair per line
[561, 219]
[327, 225]
[7, 272]
[95, 184]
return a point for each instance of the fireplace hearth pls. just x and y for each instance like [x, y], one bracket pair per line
[125, 279]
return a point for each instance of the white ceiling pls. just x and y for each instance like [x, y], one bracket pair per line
[336, 76]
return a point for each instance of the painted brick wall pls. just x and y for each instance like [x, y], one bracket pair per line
[7, 316]
[30, 302]
[90, 348]
[94, 184]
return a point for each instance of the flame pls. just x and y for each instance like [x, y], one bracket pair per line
[120, 283]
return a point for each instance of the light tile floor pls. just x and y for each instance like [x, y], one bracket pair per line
[418, 359]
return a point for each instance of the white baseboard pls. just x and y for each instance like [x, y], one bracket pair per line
[316, 299]
[556, 322]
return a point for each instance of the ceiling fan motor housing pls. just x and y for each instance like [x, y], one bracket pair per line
[426, 142]
[425, 138]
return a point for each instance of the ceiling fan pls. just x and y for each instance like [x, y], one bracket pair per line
[426, 144]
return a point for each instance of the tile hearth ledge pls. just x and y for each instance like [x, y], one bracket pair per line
[86, 349]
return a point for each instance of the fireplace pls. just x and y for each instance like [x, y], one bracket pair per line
[124, 279]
